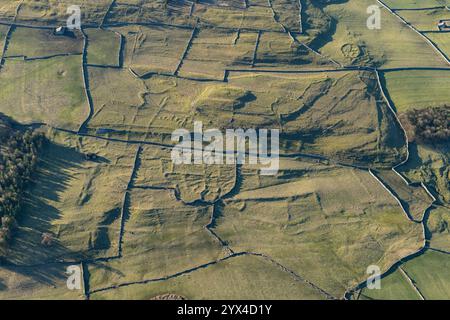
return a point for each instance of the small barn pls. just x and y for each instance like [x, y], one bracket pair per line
[60, 31]
[444, 25]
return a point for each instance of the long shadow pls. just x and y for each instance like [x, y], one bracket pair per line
[37, 214]
[50, 275]
[2, 285]
[325, 36]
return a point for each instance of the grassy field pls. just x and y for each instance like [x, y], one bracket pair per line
[50, 91]
[190, 183]
[36, 283]
[438, 223]
[253, 18]
[55, 11]
[442, 40]
[300, 107]
[414, 4]
[397, 39]
[425, 20]
[76, 200]
[429, 272]
[288, 13]
[156, 49]
[225, 231]
[104, 47]
[279, 51]
[300, 220]
[430, 166]
[393, 287]
[8, 9]
[246, 277]
[3, 33]
[162, 237]
[214, 50]
[122, 103]
[417, 88]
[27, 42]
[159, 11]
[415, 199]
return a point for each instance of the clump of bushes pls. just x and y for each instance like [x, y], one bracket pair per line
[431, 125]
[18, 157]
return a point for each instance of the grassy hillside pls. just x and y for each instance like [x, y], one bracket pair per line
[110, 198]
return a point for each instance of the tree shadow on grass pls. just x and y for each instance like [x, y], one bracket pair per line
[50, 275]
[54, 172]
[2, 285]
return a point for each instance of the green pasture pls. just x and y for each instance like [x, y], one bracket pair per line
[246, 277]
[103, 47]
[389, 47]
[417, 89]
[51, 91]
